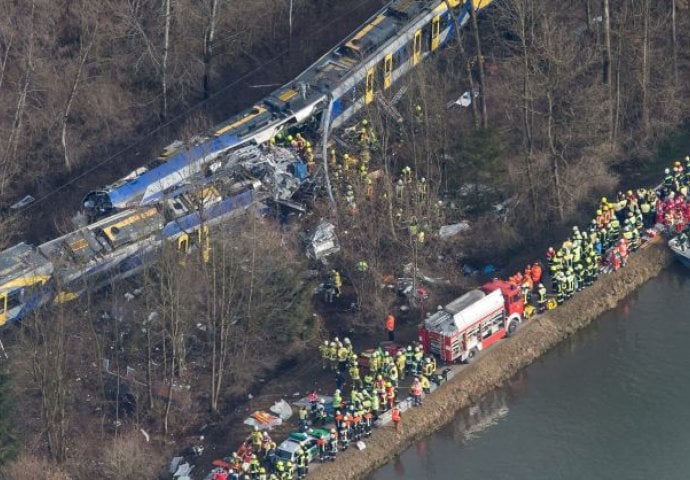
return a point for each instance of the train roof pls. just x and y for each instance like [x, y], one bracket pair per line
[101, 238]
[332, 68]
[21, 260]
[174, 164]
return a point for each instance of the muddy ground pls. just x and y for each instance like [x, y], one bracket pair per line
[498, 364]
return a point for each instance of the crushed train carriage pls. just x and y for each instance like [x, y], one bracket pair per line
[123, 244]
[140, 209]
[328, 93]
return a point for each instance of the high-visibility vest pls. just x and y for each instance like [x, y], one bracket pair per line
[395, 414]
[390, 323]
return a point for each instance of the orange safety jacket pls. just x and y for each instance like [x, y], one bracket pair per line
[390, 323]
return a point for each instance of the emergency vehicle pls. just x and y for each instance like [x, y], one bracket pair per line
[474, 322]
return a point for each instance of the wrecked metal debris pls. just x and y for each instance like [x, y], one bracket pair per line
[323, 241]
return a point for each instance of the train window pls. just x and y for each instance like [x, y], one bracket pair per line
[10, 300]
[445, 21]
[426, 34]
[387, 71]
[369, 87]
[435, 32]
[417, 47]
[401, 56]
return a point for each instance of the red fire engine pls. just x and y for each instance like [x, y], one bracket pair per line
[473, 322]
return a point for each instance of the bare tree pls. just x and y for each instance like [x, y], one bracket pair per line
[68, 107]
[209, 38]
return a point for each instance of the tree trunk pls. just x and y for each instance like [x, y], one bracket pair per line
[527, 107]
[554, 162]
[164, 62]
[68, 106]
[675, 42]
[208, 48]
[608, 65]
[480, 65]
[468, 66]
[645, 67]
[4, 61]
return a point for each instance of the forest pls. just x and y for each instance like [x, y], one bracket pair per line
[572, 101]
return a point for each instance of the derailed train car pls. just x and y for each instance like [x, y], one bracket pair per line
[127, 242]
[338, 85]
[147, 207]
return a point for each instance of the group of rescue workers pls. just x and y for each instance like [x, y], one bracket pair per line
[616, 230]
[374, 390]
[375, 378]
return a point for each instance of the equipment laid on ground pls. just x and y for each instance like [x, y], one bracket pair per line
[473, 322]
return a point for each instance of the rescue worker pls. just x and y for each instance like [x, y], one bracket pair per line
[337, 401]
[302, 465]
[541, 298]
[418, 358]
[254, 466]
[390, 327]
[416, 392]
[567, 255]
[343, 357]
[355, 375]
[374, 362]
[422, 189]
[668, 179]
[333, 445]
[526, 291]
[569, 283]
[400, 364]
[409, 360]
[579, 277]
[397, 418]
[390, 394]
[256, 438]
[418, 114]
[324, 349]
[333, 355]
[303, 418]
[536, 273]
[336, 281]
[407, 175]
[429, 368]
[560, 287]
[426, 384]
[393, 374]
[635, 240]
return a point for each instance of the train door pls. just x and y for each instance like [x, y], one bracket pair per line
[369, 87]
[388, 71]
[10, 305]
[417, 48]
[435, 32]
[183, 243]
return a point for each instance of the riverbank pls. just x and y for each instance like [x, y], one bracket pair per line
[498, 364]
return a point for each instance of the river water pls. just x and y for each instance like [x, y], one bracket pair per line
[612, 402]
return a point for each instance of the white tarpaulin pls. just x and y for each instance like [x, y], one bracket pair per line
[282, 409]
[448, 231]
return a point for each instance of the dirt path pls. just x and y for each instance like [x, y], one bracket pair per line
[499, 364]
